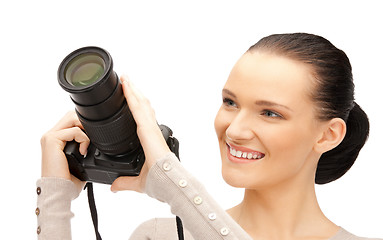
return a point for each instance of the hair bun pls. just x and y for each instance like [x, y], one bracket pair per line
[336, 162]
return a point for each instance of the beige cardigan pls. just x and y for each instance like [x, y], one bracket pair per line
[167, 181]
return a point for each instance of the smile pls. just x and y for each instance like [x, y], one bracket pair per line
[243, 153]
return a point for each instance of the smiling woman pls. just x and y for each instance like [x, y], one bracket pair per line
[270, 113]
[288, 120]
[289, 102]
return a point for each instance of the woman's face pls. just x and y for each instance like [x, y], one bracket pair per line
[266, 125]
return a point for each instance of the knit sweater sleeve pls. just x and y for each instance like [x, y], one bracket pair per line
[169, 182]
[54, 197]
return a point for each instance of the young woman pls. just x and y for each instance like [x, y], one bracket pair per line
[288, 120]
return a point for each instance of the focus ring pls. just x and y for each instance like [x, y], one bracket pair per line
[117, 135]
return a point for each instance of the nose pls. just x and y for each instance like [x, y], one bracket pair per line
[241, 128]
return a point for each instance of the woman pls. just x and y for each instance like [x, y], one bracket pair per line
[288, 120]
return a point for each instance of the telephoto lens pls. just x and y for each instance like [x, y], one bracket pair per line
[114, 150]
[87, 74]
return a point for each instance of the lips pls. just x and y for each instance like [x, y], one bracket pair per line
[242, 154]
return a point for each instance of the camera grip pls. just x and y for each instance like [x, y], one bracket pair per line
[74, 157]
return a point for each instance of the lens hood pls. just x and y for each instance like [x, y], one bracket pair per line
[96, 92]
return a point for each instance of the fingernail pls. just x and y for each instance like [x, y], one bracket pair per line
[84, 152]
[124, 78]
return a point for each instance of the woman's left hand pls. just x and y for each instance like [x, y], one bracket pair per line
[149, 133]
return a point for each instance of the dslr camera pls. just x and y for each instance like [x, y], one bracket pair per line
[115, 150]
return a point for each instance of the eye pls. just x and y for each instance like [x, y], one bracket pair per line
[271, 114]
[228, 102]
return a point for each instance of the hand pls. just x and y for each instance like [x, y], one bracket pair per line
[148, 132]
[54, 162]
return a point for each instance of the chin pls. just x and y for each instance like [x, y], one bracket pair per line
[246, 177]
[235, 178]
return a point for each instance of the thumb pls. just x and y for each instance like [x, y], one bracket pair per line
[128, 183]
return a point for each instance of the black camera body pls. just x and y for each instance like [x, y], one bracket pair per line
[102, 168]
[114, 151]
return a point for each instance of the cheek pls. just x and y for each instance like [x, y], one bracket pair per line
[294, 140]
[279, 140]
[221, 123]
[289, 150]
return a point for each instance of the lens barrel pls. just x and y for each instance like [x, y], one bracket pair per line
[87, 74]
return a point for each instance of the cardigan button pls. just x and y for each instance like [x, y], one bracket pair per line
[212, 216]
[37, 211]
[182, 183]
[167, 166]
[38, 191]
[197, 200]
[38, 230]
[224, 231]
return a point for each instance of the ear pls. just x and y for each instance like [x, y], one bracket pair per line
[331, 136]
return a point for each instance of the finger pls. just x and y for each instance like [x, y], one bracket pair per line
[137, 102]
[127, 183]
[124, 78]
[131, 92]
[128, 91]
[137, 93]
[76, 134]
[69, 120]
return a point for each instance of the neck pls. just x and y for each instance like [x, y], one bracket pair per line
[283, 212]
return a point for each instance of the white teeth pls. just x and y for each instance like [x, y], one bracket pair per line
[233, 152]
[241, 154]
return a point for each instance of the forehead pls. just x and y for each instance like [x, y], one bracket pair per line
[265, 76]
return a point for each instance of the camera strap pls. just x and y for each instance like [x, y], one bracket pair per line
[93, 212]
[93, 209]
[180, 230]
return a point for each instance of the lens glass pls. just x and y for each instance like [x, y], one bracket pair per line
[84, 69]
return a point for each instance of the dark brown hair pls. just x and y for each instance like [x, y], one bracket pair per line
[333, 95]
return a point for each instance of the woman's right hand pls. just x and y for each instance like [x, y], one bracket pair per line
[149, 133]
[54, 162]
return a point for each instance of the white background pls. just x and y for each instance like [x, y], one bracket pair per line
[179, 54]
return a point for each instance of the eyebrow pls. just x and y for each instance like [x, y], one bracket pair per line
[271, 104]
[228, 92]
[258, 102]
